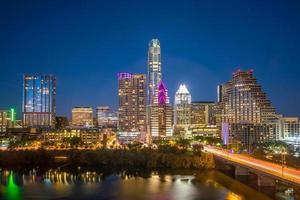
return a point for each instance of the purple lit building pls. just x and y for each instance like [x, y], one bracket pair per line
[161, 113]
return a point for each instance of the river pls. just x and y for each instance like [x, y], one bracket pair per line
[205, 185]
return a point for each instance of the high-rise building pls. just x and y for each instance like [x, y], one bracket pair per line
[132, 102]
[244, 101]
[39, 104]
[154, 68]
[161, 113]
[182, 107]
[82, 116]
[106, 117]
[7, 119]
[245, 106]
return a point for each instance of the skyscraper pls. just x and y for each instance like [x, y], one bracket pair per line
[132, 102]
[182, 107]
[245, 107]
[39, 104]
[154, 68]
[244, 101]
[161, 113]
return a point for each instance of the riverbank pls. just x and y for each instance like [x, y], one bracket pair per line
[105, 159]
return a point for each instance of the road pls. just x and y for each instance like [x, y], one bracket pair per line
[289, 174]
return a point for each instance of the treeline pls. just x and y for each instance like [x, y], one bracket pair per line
[104, 159]
[144, 159]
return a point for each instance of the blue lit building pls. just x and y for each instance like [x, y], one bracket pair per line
[39, 106]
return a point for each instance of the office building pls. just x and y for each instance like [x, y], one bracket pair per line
[7, 119]
[182, 107]
[106, 117]
[88, 136]
[82, 116]
[39, 101]
[154, 68]
[161, 113]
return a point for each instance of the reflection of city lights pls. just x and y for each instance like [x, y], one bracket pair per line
[233, 196]
[12, 191]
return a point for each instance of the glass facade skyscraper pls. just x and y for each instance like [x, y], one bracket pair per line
[154, 68]
[182, 107]
[39, 100]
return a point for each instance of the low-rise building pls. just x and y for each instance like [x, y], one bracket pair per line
[88, 136]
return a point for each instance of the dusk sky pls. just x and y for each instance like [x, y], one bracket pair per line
[86, 43]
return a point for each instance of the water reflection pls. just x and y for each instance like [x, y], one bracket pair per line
[12, 190]
[124, 185]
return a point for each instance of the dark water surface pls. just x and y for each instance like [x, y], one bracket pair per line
[206, 185]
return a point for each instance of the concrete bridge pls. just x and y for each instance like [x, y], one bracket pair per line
[267, 173]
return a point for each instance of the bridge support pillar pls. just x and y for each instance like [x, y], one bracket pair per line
[265, 181]
[241, 173]
[297, 192]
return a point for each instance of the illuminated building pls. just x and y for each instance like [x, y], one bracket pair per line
[106, 117]
[245, 106]
[288, 127]
[204, 112]
[205, 118]
[82, 116]
[154, 68]
[249, 134]
[132, 102]
[7, 119]
[182, 107]
[161, 113]
[244, 101]
[88, 136]
[39, 104]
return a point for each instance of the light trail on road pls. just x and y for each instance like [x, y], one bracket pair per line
[289, 174]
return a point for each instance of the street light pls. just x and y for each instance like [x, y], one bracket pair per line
[283, 161]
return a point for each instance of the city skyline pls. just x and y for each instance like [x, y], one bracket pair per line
[200, 64]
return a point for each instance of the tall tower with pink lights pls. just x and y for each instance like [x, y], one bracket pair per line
[161, 113]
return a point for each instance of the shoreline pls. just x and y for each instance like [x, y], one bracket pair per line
[104, 159]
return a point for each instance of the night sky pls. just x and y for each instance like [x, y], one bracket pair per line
[86, 43]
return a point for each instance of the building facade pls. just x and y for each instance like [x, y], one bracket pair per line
[106, 117]
[245, 107]
[244, 101]
[154, 68]
[82, 116]
[205, 118]
[90, 136]
[182, 107]
[7, 119]
[39, 100]
[161, 119]
[132, 102]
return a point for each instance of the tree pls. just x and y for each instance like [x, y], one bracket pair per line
[197, 148]
[183, 143]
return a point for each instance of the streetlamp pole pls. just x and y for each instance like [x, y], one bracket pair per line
[283, 152]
